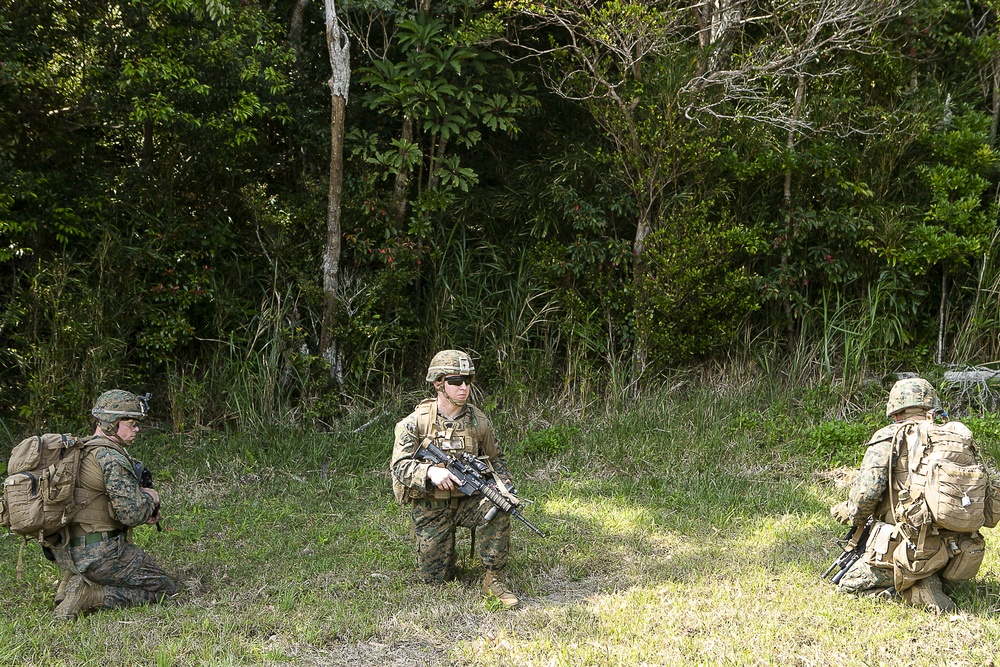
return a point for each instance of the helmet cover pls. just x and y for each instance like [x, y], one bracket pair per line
[117, 404]
[911, 393]
[450, 362]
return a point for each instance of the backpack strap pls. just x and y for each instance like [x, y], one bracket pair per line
[427, 423]
[898, 444]
[915, 444]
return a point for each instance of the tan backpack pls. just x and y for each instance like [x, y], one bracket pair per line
[947, 483]
[38, 498]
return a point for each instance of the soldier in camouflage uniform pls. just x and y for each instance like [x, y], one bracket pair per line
[911, 400]
[103, 569]
[437, 507]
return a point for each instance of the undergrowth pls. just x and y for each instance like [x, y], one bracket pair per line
[688, 527]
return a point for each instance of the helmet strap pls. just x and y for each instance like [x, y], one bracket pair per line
[111, 431]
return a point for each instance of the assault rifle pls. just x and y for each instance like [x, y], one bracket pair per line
[472, 473]
[855, 542]
[145, 478]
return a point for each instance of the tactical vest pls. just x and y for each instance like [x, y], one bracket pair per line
[453, 436]
[97, 516]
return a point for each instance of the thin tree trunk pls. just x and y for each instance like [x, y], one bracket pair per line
[433, 178]
[147, 143]
[295, 25]
[996, 99]
[399, 200]
[800, 95]
[643, 228]
[942, 317]
[340, 66]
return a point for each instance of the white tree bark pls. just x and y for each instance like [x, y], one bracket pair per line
[339, 47]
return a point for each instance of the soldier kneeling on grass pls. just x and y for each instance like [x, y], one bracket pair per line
[436, 506]
[924, 493]
[102, 568]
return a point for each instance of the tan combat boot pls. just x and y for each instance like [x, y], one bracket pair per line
[493, 584]
[80, 596]
[61, 590]
[929, 593]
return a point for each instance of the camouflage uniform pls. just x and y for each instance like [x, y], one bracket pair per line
[102, 568]
[907, 552]
[866, 495]
[129, 576]
[436, 513]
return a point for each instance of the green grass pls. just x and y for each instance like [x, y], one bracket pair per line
[690, 528]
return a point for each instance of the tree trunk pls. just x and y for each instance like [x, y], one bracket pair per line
[340, 66]
[643, 228]
[147, 143]
[996, 99]
[942, 313]
[800, 96]
[295, 25]
[399, 199]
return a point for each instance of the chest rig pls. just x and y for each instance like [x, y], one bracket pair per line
[452, 436]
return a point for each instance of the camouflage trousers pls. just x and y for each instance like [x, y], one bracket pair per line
[434, 523]
[127, 573]
[863, 578]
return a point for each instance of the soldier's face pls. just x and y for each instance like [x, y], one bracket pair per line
[456, 387]
[128, 429]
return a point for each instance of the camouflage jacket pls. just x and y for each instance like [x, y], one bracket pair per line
[870, 493]
[470, 431]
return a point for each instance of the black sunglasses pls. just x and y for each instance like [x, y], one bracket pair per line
[458, 380]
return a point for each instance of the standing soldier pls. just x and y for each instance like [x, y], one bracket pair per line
[923, 492]
[437, 507]
[103, 569]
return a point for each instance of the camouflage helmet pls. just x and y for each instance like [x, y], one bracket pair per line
[450, 362]
[911, 393]
[117, 404]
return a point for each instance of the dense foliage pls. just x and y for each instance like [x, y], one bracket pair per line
[585, 194]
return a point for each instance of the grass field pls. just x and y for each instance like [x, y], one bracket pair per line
[689, 528]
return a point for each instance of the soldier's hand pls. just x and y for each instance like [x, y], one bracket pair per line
[152, 493]
[841, 513]
[442, 478]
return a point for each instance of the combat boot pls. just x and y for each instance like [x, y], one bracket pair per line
[80, 596]
[929, 593]
[61, 590]
[493, 584]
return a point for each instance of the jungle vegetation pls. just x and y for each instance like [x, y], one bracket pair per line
[586, 194]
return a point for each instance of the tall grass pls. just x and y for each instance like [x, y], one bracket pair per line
[976, 339]
[70, 348]
[846, 340]
[255, 380]
[484, 299]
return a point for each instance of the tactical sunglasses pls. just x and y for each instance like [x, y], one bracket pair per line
[458, 380]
